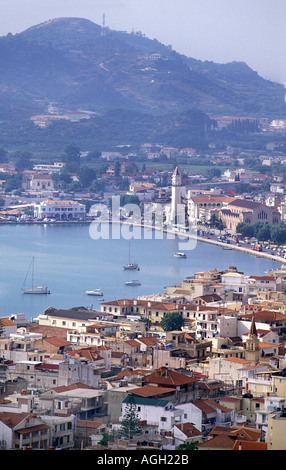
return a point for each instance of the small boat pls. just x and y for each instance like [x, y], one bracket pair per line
[32, 289]
[94, 292]
[132, 283]
[179, 254]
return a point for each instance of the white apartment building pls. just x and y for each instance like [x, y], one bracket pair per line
[160, 413]
[234, 281]
[55, 168]
[60, 210]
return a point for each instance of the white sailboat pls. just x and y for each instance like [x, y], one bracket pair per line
[32, 289]
[131, 266]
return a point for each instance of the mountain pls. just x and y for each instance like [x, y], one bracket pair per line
[81, 66]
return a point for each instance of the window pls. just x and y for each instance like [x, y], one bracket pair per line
[163, 418]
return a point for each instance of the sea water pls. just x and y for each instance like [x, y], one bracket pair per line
[69, 261]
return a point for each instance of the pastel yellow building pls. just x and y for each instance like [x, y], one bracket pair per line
[277, 431]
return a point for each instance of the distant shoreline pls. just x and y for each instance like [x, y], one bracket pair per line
[243, 249]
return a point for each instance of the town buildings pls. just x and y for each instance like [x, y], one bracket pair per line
[219, 381]
[224, 368]
[60, 210]
[249, 212]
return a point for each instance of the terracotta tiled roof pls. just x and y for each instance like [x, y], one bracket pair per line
[188, 429]
[165, 376]
[85, 423]
[149, 341]
[132, 342]
[221, 441]
[7, 322]
[87, 353]
[237, 360]
[13, 419]
[56, 341]
[47, 331]
[150, 391]
[265, 315]
[208, 406]
[263, 278]
[249, 445]
[129, 373]
[66, 388]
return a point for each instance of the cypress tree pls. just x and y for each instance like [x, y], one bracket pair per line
[129, 423]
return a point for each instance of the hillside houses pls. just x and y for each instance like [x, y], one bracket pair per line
[221, 369]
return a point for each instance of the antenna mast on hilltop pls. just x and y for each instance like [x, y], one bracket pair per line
[103, 25]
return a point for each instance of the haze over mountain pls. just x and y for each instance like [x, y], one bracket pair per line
[81, 66]
[77, 63]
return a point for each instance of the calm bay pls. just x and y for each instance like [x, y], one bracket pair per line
[69, 261]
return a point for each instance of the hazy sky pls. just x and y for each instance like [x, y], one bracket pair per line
[252, 31]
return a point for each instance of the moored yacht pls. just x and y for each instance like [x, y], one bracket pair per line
[132, 283]
[179, 254]
[94, 292]
[32, 289]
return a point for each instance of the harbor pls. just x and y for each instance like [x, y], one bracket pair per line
[70, 262]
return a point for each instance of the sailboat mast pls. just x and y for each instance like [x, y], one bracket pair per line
[32, 272]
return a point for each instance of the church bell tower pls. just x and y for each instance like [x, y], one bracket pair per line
[252, 353]
[176, 197]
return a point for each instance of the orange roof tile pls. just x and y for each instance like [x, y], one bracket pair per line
[165, 376]
[238, 360]
[7, 322]
[150, 391]
[249, 445]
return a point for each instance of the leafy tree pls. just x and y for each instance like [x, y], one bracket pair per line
[147, 321]
[65, 176]
[172, 321]
[278, 234]
[264, 233]
[246, 230]
[93, 155]
[241, 188]
[106, 437]
[23, 161]
[71, 153]
[86, 175]
[129, 423]
[189, 446]
[213, 172]
[13, 182]
[117, 167]
[3, 154]
[129, 199]
[215, 222]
